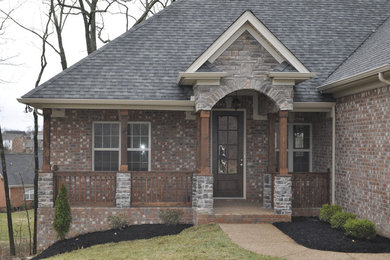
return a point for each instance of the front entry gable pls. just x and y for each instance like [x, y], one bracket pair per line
[248, 22]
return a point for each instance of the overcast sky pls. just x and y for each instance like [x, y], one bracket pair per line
[24, 50]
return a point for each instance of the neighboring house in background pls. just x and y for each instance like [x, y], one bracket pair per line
[19, 167]
[21, 142]
[274, 106]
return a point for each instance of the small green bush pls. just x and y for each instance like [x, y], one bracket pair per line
[338, 220]
[328, 210]
[117, 221]
[170, 216]
[62, 215]
[360, 228]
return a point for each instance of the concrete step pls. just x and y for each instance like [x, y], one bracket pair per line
[250, 218]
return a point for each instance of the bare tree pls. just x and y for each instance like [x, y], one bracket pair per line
[7, 199]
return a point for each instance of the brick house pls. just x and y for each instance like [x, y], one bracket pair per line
[19, 167]
[232, 111]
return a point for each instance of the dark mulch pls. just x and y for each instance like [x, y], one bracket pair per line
[316, 234]
[114, 235]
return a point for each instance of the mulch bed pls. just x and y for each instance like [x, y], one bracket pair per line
[114, 235]
[316, 234]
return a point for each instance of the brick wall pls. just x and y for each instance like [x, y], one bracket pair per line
[173, 139]
[86, 220]
[363, 156]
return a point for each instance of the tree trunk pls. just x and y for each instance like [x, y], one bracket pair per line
[8, 202]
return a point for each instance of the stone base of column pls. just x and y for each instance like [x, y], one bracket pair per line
[123, 190]
[203, 201]
[267, 191]
[46, 190]
[283, 195]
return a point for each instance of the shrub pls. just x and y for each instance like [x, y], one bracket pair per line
[170, 216]
[338, 220]
[62, 215]
[117, 221]
[360, 228]
[327, 211]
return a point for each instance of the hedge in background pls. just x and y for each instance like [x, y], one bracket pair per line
[360, 228]
[327, 211]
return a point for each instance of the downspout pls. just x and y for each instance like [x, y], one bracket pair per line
[382, 78]
[333, 153]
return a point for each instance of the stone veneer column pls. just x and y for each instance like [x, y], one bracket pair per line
[45, 190]
[283, 195]
[123, 190]
[204, 202]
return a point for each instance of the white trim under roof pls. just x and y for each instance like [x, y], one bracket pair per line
[264, 36]
[171, 105]
[191, 78]
[350, 82]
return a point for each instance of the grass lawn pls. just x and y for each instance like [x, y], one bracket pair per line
[199, 242]
[21, 234]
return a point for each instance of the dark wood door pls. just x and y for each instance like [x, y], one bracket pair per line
[228, 161]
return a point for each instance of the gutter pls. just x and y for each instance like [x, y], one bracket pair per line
[333, 179]
[340, 85]
[381, 78]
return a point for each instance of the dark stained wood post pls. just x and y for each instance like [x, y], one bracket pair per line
[283, 169]
[204, 143]
[271, 143]
[46, 140]
[124, 117]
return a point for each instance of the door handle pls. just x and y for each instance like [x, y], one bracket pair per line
[241, 162]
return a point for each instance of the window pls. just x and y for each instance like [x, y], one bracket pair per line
[29, 194]
[299, 151]
[138, 146]
[106, 146]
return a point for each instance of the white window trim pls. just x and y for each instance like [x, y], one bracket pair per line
[28, 192]
[290, 147]
[105, 149]
[149, 149]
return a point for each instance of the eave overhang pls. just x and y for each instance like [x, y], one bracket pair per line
[356, 83]
[173, 105]
[293, 77]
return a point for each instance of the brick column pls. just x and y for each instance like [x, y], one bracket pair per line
[123, 190]
[283, 169]
[46, 140]
[124, 116]
[45, 190]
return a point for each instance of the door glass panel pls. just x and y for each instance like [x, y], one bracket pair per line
[232, 137]
[232, 123]
[222, 159]
[222, 122]
[222, 137]
[232, 151]
[232, 167]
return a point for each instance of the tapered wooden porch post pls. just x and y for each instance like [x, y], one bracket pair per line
[124, 116]
[204, 143]
[271, 143]
[46, 140]
[283, 169]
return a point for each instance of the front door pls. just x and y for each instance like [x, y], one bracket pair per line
[228, 161]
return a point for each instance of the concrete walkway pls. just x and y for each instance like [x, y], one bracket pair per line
[265, 239]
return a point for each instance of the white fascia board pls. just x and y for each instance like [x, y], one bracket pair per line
[313, 106]
[249, 17]
[171, 105]
[346, 83]
[292, 75]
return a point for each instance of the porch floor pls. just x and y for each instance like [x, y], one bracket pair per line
[240, 207]
[245, 212]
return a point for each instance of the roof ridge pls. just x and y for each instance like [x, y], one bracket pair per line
[101, 49]
[373, 31]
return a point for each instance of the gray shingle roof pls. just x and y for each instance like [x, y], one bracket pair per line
[144, 62]
[20, 165]
[373, 53]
